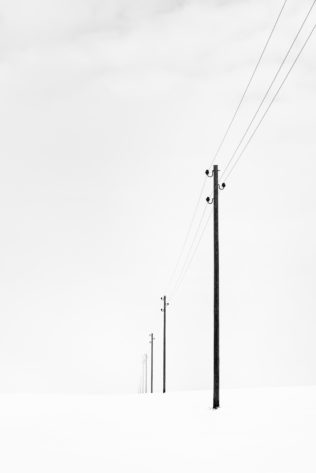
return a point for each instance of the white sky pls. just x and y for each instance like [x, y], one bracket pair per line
[110, 113]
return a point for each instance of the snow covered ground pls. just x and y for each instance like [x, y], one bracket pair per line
[256, 430]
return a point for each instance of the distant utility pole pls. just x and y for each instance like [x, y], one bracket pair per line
[216, 377]
[145, 373]
[164, 310]
[152, 363]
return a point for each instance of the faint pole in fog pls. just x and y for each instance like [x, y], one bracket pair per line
[145, 357]
[152, 362]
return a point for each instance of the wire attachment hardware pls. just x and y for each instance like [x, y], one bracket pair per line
[221, 187]
[209, 200]
[167, 303]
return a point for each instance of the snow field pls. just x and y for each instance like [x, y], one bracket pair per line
[255, 430]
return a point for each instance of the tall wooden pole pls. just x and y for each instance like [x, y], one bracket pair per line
[164, 299]
[216, 292]
[214, 201]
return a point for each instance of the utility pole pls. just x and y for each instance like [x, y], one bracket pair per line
[145, 373]
[152, 363]
[164, 310]
[216, 293]
[216, 373]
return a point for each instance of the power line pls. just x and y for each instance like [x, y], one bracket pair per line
[187, 235]
[191, 246]
[271, 102]
[189, 261]
[248, 84]
[192, 257]
[271, 84]
[184, 245]
[269, 89]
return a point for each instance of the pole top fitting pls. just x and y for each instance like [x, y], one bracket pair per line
[207, 172]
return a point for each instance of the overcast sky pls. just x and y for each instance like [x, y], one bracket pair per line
[110, 113]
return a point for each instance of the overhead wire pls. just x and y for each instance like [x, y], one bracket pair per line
[248, 83]
[240, 155]
[271, 102]
[190, 227]
[184, 245]
[187, 235]
[188, 265]
[192, 245]
[269, 89]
